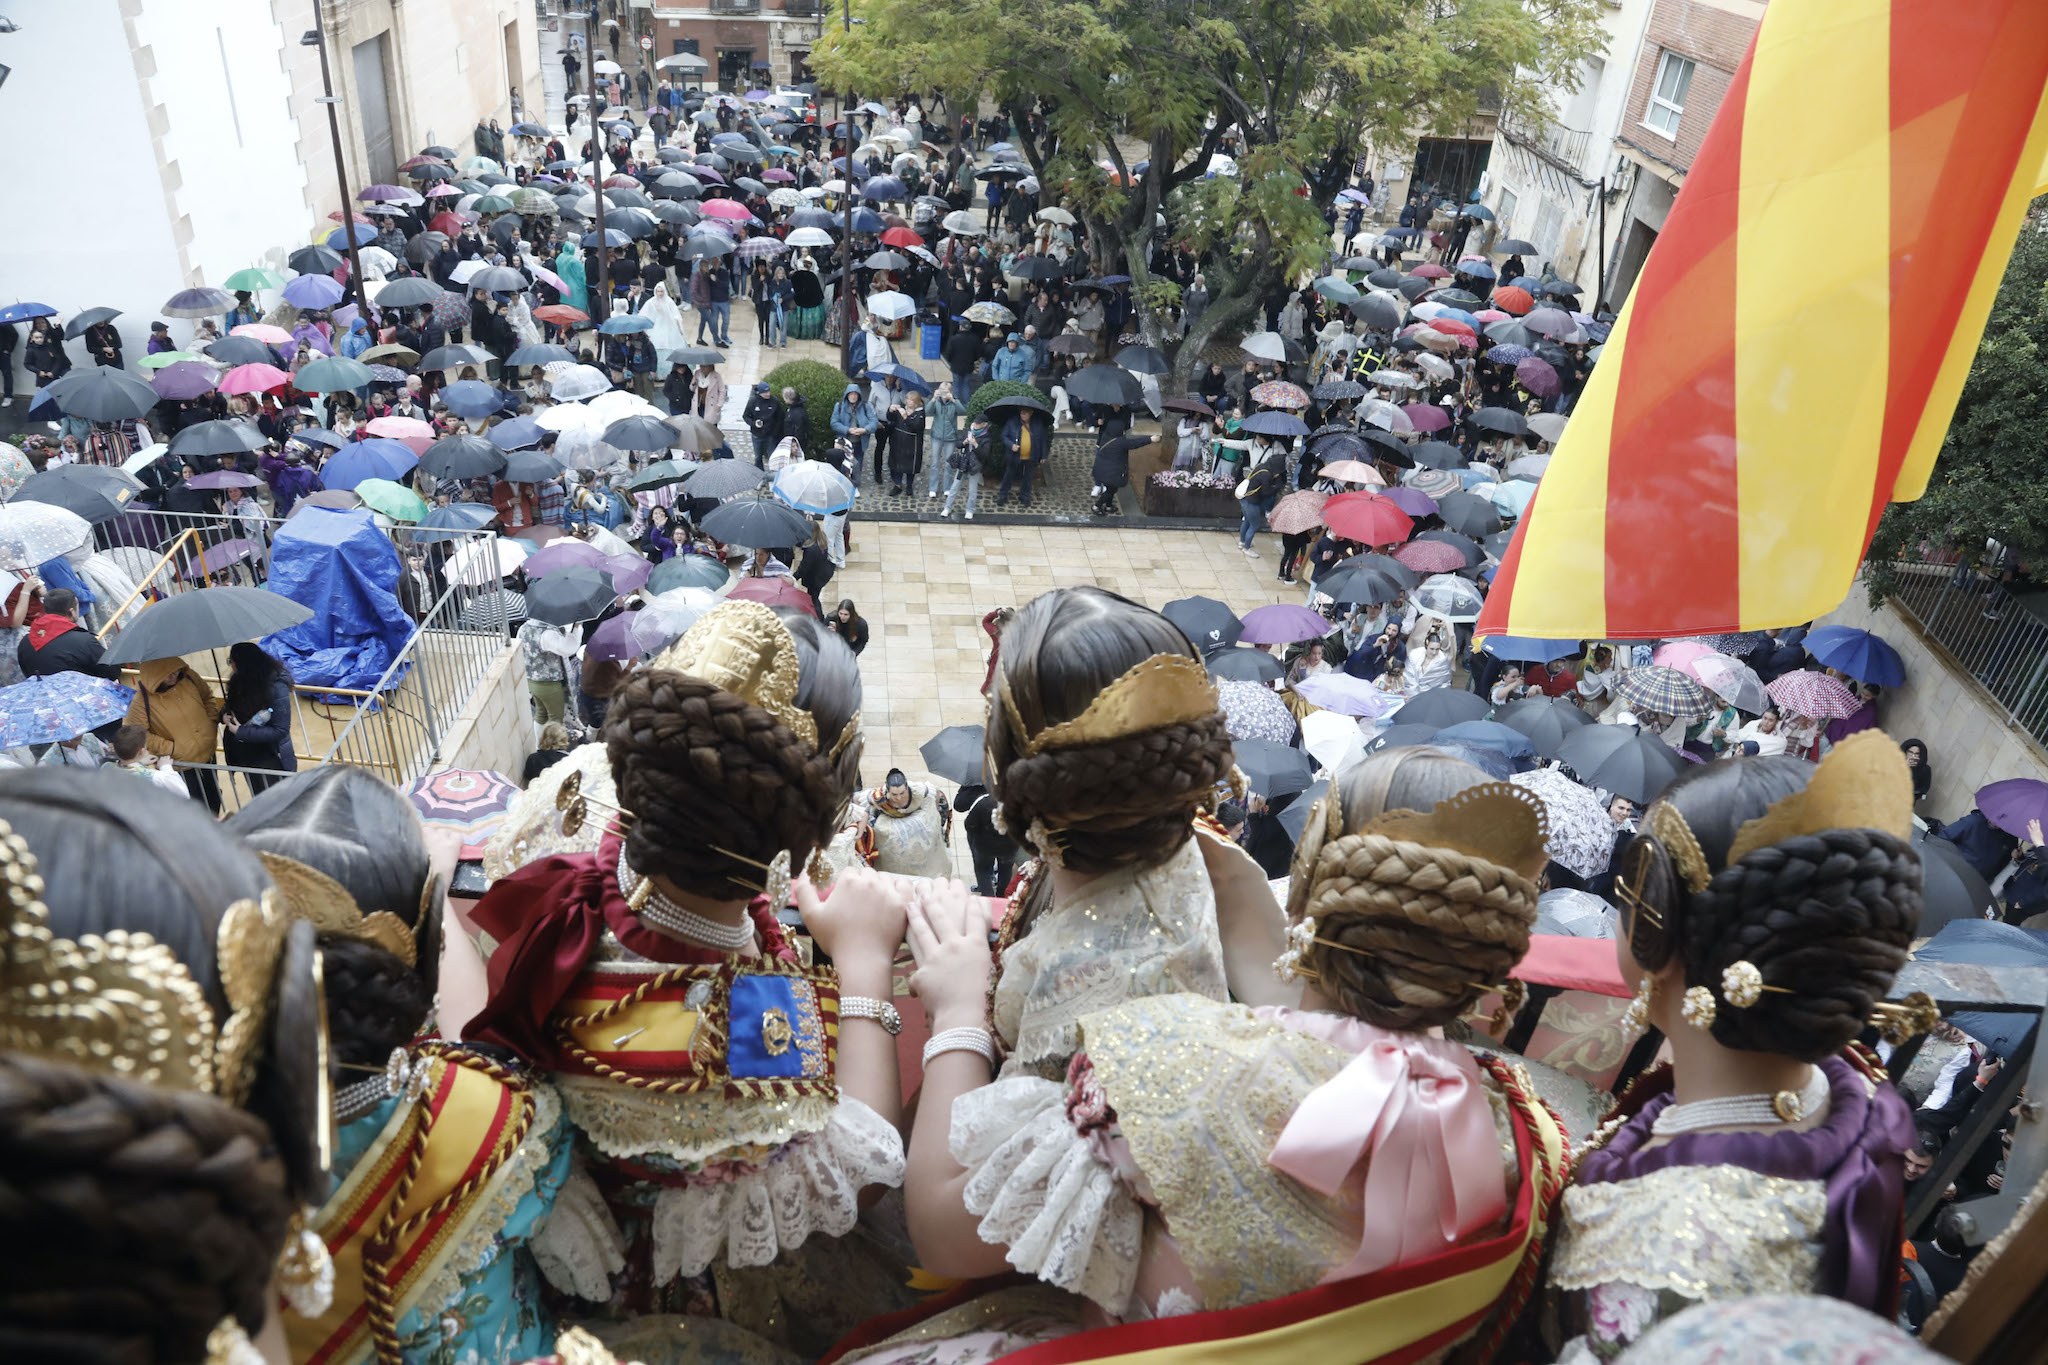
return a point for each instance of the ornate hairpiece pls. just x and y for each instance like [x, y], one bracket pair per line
[575, 804]
[311, 895]
[745, 649]
[1895, 1023]
[1166, 689]
[1496, 821]
[1667, 823]
[1863, 783]
[123, 1004]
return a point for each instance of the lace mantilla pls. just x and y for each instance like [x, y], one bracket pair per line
[1704, 1232]
[578, 1246]
[810, 1187]
[622, 1122]
[1131, 934]
[1043, 1192]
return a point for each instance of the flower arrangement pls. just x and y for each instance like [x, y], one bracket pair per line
[1192, 478]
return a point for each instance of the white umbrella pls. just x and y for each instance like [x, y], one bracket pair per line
[1449, 596]
[962, 224]
[482, 563]
[376, 259]
[1392, 379]
[1435, 366]
[608, 542]
[1733, 681]
[566, 417]
[1528, 467]
[33, 533]
[1332, 740]
[1386, 416]
[814, 486]
[581, 381]
[891, 306]
[1056, 214]
[663, 618]
[785, 198]
[145, 457]
[469, 270]
[1265, 345]
[809, 237]
[1549, 425]
[605, 68]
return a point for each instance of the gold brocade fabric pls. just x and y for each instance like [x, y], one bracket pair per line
[982, 1329]
[621, 1121]
[1129, 934]
[1202, 1091]
[1703, 1232]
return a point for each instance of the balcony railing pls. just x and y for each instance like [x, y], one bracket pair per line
[735, 6]
[1554, 141]
[1990, 634]
[803, 9]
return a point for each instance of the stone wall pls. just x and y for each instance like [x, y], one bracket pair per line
[1969, 740]
[495, 730]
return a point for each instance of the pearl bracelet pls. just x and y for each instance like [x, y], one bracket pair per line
[961, 1040]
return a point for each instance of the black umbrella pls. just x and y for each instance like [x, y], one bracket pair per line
[1143, 360]
[1515, 246]
[1242, 663]
[1545, 720]
[1389, 447]
[723, 479]
[91, 317]
[955, 753]
[218, 438]
[1496, 545]
[1019, 400]
[454, 357]
[414, 291]
[241, 351]
[1459, 298]
[1272, 769]
[660, 474]
[462, 456]
[1437, 455]
[1413, 287]
[1510, 333]
[1441, 707]
[1465, 545]
[423, 248]
[1377, 311]
[1468, 514]
[1037, 269]
[204, 618]
[577, 593]
[96, 492]
[756, 523]
[498, 278]
[1623, 760]
[1506, 421]
[1104, 384]
[1205, 621]
[1336, 391]
[1383, 278]
[530, 466]
[1400, 737]
[314, 260]
[640, 432]
[1294, 819]
[1368, 579]
[1952, 888]
[104, 394]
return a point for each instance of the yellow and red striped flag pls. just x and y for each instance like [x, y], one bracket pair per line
[1790, 358]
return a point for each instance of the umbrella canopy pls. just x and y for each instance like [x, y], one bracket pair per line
[1331, 739]
[1283, 623]
[772, 592]
[1367, 518]
[724, 479]
[1207, 623]
[1347, 696]
[1255, 711]
[59, 706]
[640, 432]
[1275, 424]
[1524, 649]
[481, 563]
[184, 379]
[955, 753]
[1298, 512]
[1665, 691]
[1110, 384]
[1368, 579]
[1547, 721]
[1582, 835]
[1622, 760]
[814, 486]
[2015, 804]
[104, 394]
[563, 554]
[577, 593]
[1468, 514]
[203, 302]
[462, 797]
[204, 618]
[34, 533]
[1732, 680]
[376, 458]
[1813, 695]
[1241, 663]
[1486, 734]
[688, 571]
[95, 492]
[1989, 944]
[1273, 769]
[331, 374]
[757, 523]
[1858, 653]
[1430, 556]
[1278, 393]
[1440, 707]
[1447, 595]
[394, 500]
[1951, 888]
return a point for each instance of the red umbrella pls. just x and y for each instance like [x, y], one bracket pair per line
[901, 236]
[1432, 271]
[1430, 556]
[335, 217]
[1509, 299]
[773, 592]
[445, 222]
[1427, 416]
[561, 314]
[1367, 518]
[1454, 327]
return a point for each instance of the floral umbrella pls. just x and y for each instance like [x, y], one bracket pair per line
[1581, 834]
[59, 706]
[1254, 711]
[1292, 515]
[33, 533]
[15, 470]
[1278, 393]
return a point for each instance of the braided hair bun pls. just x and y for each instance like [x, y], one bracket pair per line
[703, 769]
[1827, 916]
[1421, 930]
[1125, 802]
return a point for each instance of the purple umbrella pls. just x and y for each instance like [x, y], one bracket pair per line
[218, 557]
[629, 572]
[562, 554]
[1538, 376]
[613, 640]
[2014, 803]
[1283, 623]
[186, 379]
[313, 291]
[224, 478]
[1413, 501]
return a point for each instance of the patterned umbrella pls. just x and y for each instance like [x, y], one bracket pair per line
[1664, 690]
[33, 533]
[1278, 393]
[1254, 711]
[1813, 695]
[461, 796]
[1581, 834]
[1293, 514]
[1733, 681]
[1430, 556]
[1508, 355]
[59, 706]
[1734, 644]
[15, 470]
[1282, 623]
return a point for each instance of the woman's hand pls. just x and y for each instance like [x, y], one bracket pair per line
[860, 923]
[949, 939]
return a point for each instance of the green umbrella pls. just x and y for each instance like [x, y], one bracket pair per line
[492, 203]
[394, 500]
[660, 474]
[331, 374]
[255, 277]
[163, 358]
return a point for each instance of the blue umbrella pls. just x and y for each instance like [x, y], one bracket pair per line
[1508, 355]
[22, 312]
[1488, 734]
[313, 291]
[621, 324]
[365, 235]
[377, 458]
[1986, 943]
[908, 377]
[1275, 424]
[59, 706]
[1528, 282]
[867, 220]
[1526, 649]
[1858, 653]
[453, 521]
[472, 398]
[516, 434]
[1478, 270]
[885, 187]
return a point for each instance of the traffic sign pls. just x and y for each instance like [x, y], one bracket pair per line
[646, 43]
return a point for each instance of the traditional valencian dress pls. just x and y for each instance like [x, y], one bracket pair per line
[1208, 1172]
[1646, 1232]
[911, 841]
[700, 1086]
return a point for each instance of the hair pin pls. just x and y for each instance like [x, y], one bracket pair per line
[575, 804]
[1916, 1014]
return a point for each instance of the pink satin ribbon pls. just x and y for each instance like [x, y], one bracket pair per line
[1412, 1110]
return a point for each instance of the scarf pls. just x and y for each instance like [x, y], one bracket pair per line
[46, 628]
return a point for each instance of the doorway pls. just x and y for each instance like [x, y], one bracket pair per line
[735, 67]
[514, 76]
[373, 105]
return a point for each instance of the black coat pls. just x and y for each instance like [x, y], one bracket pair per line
[963, 351]
[906, 442]
[267, 744]
[1113, 459]
[796, 421]
[77, 650]
[763, 416]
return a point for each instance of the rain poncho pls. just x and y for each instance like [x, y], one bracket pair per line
[569, 266]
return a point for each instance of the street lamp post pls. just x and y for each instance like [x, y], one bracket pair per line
[846, 246]
[348, 212]
[600, 298]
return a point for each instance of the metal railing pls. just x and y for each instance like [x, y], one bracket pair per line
[735, 6]
[1988, 632]
[803, 9]
[1552, 140]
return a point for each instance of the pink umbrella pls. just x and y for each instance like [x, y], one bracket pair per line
[1493, 315]
[1432, 271]
[561, 555]
[1684, 655]
[399, 428]
[263, 332]
[1353, 471]
[543, 273]
[775, 173]
[725, 208]
[1430, 556]
[1298, 512]
[1283, 623]
[1427, 416]
[253, 379]
[1814, 695]
[443, 191]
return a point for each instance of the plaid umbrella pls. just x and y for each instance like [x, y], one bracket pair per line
[60, 706]
[1814, 695]
[1581, 834]
[1254, 711]
[1298, 512]
[1664, 690]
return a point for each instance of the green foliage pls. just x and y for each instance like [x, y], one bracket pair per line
[822, 386]
[1987, 482]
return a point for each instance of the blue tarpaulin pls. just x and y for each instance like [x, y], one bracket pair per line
[346, 570]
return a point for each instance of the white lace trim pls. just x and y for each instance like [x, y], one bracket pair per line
[1042, 1192]
[476, 1241]
[809, 1187]
[578, 1245]
[623, 1122]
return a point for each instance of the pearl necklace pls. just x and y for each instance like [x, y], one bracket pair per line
[351, 1102]
[663, 913]
[1744, 1111]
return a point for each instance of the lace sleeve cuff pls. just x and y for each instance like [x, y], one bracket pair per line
[1043, 1192]
[753, 1213]
[578, 1246]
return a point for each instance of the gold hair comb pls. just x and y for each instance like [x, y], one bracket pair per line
[745, 649]
[1166, 689]
[1863, 783]
[311, 895]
